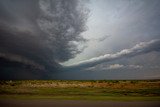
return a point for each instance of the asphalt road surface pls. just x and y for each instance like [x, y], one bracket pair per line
[73, 103]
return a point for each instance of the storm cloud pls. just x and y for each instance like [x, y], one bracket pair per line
[39, 34]
[66, 39]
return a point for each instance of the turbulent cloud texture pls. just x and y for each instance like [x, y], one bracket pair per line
[63, 21]
[38, 37]
[39, 34]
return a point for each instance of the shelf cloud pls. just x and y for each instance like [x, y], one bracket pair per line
[62, 39]
[39, 34]
[141, 48]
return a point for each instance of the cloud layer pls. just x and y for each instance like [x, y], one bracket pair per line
[38, 36]
[40, 33]
[141, 48]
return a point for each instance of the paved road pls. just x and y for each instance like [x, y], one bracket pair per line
[65, 103]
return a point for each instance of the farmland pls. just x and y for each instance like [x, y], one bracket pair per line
[110, 90]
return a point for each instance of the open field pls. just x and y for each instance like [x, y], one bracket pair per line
[103, 90]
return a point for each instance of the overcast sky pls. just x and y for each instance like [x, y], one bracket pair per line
[71, 39]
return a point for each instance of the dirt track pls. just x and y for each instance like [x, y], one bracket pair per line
[65, 103]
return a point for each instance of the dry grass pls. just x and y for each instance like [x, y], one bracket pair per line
[102, 89]
[122, 84]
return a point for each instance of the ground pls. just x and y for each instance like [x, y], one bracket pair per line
[100, 93]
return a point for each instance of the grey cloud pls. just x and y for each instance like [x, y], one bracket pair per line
[63, 21]
[20, 59]
[141, 48]
[135, 66]
[101, 39]
[38, 33]
[152, 76]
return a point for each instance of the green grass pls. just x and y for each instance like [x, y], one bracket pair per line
[115, 90]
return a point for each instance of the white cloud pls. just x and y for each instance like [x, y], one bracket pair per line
[135, 66]
[141, 48]
[115, 66]
[105, 67]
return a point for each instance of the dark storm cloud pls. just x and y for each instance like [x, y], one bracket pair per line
[63, 21]
[40, 33]
[141, 48]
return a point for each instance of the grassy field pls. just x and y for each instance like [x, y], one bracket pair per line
[114, 90]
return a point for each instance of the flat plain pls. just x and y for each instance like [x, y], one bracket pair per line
[74, 93]
[103, 90]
